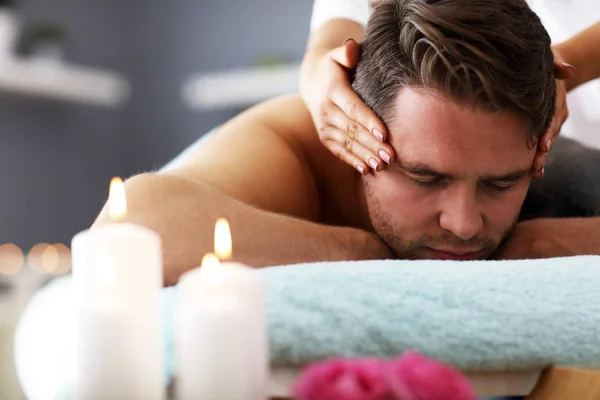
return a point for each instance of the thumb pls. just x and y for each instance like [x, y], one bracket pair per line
[562, 70]
[348, 54]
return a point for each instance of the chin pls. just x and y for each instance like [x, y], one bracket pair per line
[425, 253]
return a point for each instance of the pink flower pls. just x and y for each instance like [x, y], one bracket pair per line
[344, 379]
[415, 377]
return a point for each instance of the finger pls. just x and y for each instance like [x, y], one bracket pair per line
[352, 48]
[356, 149]
[346, 55]
[539, 162]
[349, 158]
[545, 141]
[563, 71]
[358, 133]
[347, 100]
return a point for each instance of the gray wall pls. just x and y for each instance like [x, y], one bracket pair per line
[178, 41]
[56, 158]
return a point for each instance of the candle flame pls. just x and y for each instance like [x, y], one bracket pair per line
[117, 202]
[222, 240]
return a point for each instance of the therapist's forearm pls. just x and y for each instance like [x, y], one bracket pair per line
[183, 212]
[331, 35]
[583, 52]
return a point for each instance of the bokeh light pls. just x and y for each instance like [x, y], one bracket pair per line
[64, 259]
[11, 259]
[35, 258]
[45, 258]
[50, 259]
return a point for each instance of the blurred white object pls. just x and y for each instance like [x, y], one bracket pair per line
[44, 337]
[16, 291]
[9, 27]
[325, 10]
[35, 77]
[241, 87]
[61, 81]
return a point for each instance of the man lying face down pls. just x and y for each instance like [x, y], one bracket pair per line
[465, 92]
[465, 88]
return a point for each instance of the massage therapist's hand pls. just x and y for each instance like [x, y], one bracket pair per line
[346, 126]
[562, 72]
[541, 238]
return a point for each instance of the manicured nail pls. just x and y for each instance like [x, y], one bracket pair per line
[544, 159]
[385, 156]
[569, 66]
[360, 169]
[378, 134]
[548, 144]
[374, 164]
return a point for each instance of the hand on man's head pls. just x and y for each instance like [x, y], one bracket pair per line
[563, 71]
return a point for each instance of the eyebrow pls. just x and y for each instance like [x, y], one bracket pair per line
[424, 170]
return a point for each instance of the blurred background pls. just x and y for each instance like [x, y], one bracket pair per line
[93, 89]
[105, 88]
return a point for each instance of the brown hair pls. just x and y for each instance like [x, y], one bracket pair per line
[491, 54]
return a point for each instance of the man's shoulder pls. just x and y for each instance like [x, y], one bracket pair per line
[270, 157]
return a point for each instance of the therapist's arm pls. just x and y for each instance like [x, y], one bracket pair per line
[339, 115]
[583, 52]
[253, 173]
[329, 36]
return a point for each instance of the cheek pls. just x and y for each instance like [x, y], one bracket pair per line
[501, 212]
[400, 200]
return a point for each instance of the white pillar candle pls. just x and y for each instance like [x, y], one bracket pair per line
[221, 334]
[117, 277]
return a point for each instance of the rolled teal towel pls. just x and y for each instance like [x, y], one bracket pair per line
[479, 315]
[476, 315]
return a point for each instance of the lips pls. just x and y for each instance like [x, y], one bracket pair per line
[455, 254]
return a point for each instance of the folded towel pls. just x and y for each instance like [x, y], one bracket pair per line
[478, 315]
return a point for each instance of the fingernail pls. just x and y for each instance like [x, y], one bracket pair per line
[385, 156]
[542, 172]
[348, 41]
[378, 134]
[360, 169]
[373, 163]
[548, 144]
[569, 66]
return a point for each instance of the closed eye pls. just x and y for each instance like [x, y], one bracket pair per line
[499, 186]
[427, 181]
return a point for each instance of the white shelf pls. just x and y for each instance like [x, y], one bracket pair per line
[240, 87]
[62, 81]
[54, 79]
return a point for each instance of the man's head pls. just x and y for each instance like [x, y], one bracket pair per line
[465, 88]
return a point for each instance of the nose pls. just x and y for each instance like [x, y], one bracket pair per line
[460, 214]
